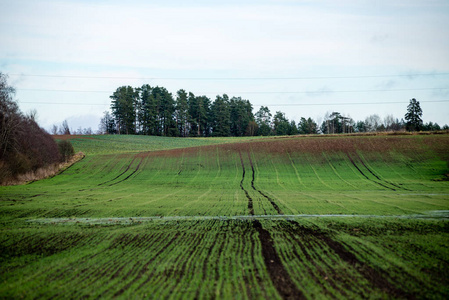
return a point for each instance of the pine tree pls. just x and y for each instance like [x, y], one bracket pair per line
[124, 109]
[281, 125]
[147, 114]
[221, 116]
[413, 116]
[263, 120]
[199, 111]
[182, 112]
[241, 116]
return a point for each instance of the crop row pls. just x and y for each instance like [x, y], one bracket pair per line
[208, 259]
[244, 258]
[209, 181]
[193, 259]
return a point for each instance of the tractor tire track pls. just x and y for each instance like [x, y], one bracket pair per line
[364, 175]
[126, 170]
[275, 206]
[250, 200]
[131, 174]
[276, 270]
[375, 277]
[341, 283]
[378, 178]
[305, 244]
[278, 274]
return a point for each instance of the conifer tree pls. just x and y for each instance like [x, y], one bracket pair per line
[413, 116]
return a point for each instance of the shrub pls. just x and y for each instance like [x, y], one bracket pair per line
[24, 146]
[66, 150]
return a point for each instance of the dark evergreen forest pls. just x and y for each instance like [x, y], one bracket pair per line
[151, 110]
[155, 111]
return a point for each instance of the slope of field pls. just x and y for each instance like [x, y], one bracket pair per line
[109, 144]
[334, 217]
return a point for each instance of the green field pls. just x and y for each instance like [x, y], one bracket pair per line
[300, 218]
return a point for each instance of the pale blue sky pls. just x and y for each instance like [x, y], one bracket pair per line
[332, 52]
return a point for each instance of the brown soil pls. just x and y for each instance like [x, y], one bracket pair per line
[278, 274]
[376, 277]
[71, 137]
[316, 145]
[250, 200]
[275, 206]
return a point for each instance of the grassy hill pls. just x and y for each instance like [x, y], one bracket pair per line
[344, 217]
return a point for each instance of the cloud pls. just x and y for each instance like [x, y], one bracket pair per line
[267, 38]
[387, 84]
[323, 91]
[273, 36]
[379, 38]
[442, 93]
[17, 80]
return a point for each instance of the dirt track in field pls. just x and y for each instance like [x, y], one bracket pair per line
[366, 176]
[119, 175]
[250, 200]
[306, 237]
[275, 206]
[279, 275]
[111, 181]
[131, 174]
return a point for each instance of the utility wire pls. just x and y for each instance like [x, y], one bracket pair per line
[231, 78]
[286, 104]
[354, 103]
[254, 92]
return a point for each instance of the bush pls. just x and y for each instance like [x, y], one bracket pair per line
[66, 150]
[24, 146]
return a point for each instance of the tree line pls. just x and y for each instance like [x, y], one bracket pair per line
[154, 111]
[64, 129]
[151, 110]
[337, 123]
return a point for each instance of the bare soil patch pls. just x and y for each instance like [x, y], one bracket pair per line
[71, 137]
[278, 274]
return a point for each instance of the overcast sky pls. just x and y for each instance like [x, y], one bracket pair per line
[305, 58]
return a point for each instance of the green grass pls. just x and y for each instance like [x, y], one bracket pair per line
[108, 144]
[388, 256]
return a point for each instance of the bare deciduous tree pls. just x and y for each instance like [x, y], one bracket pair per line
[65, 128]
[54, 129]
[372, 122]
[10, 116]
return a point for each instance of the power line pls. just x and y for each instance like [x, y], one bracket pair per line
[354, 103]
[62, 103]
[231, 78]
[286, 104]
[260, 92]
